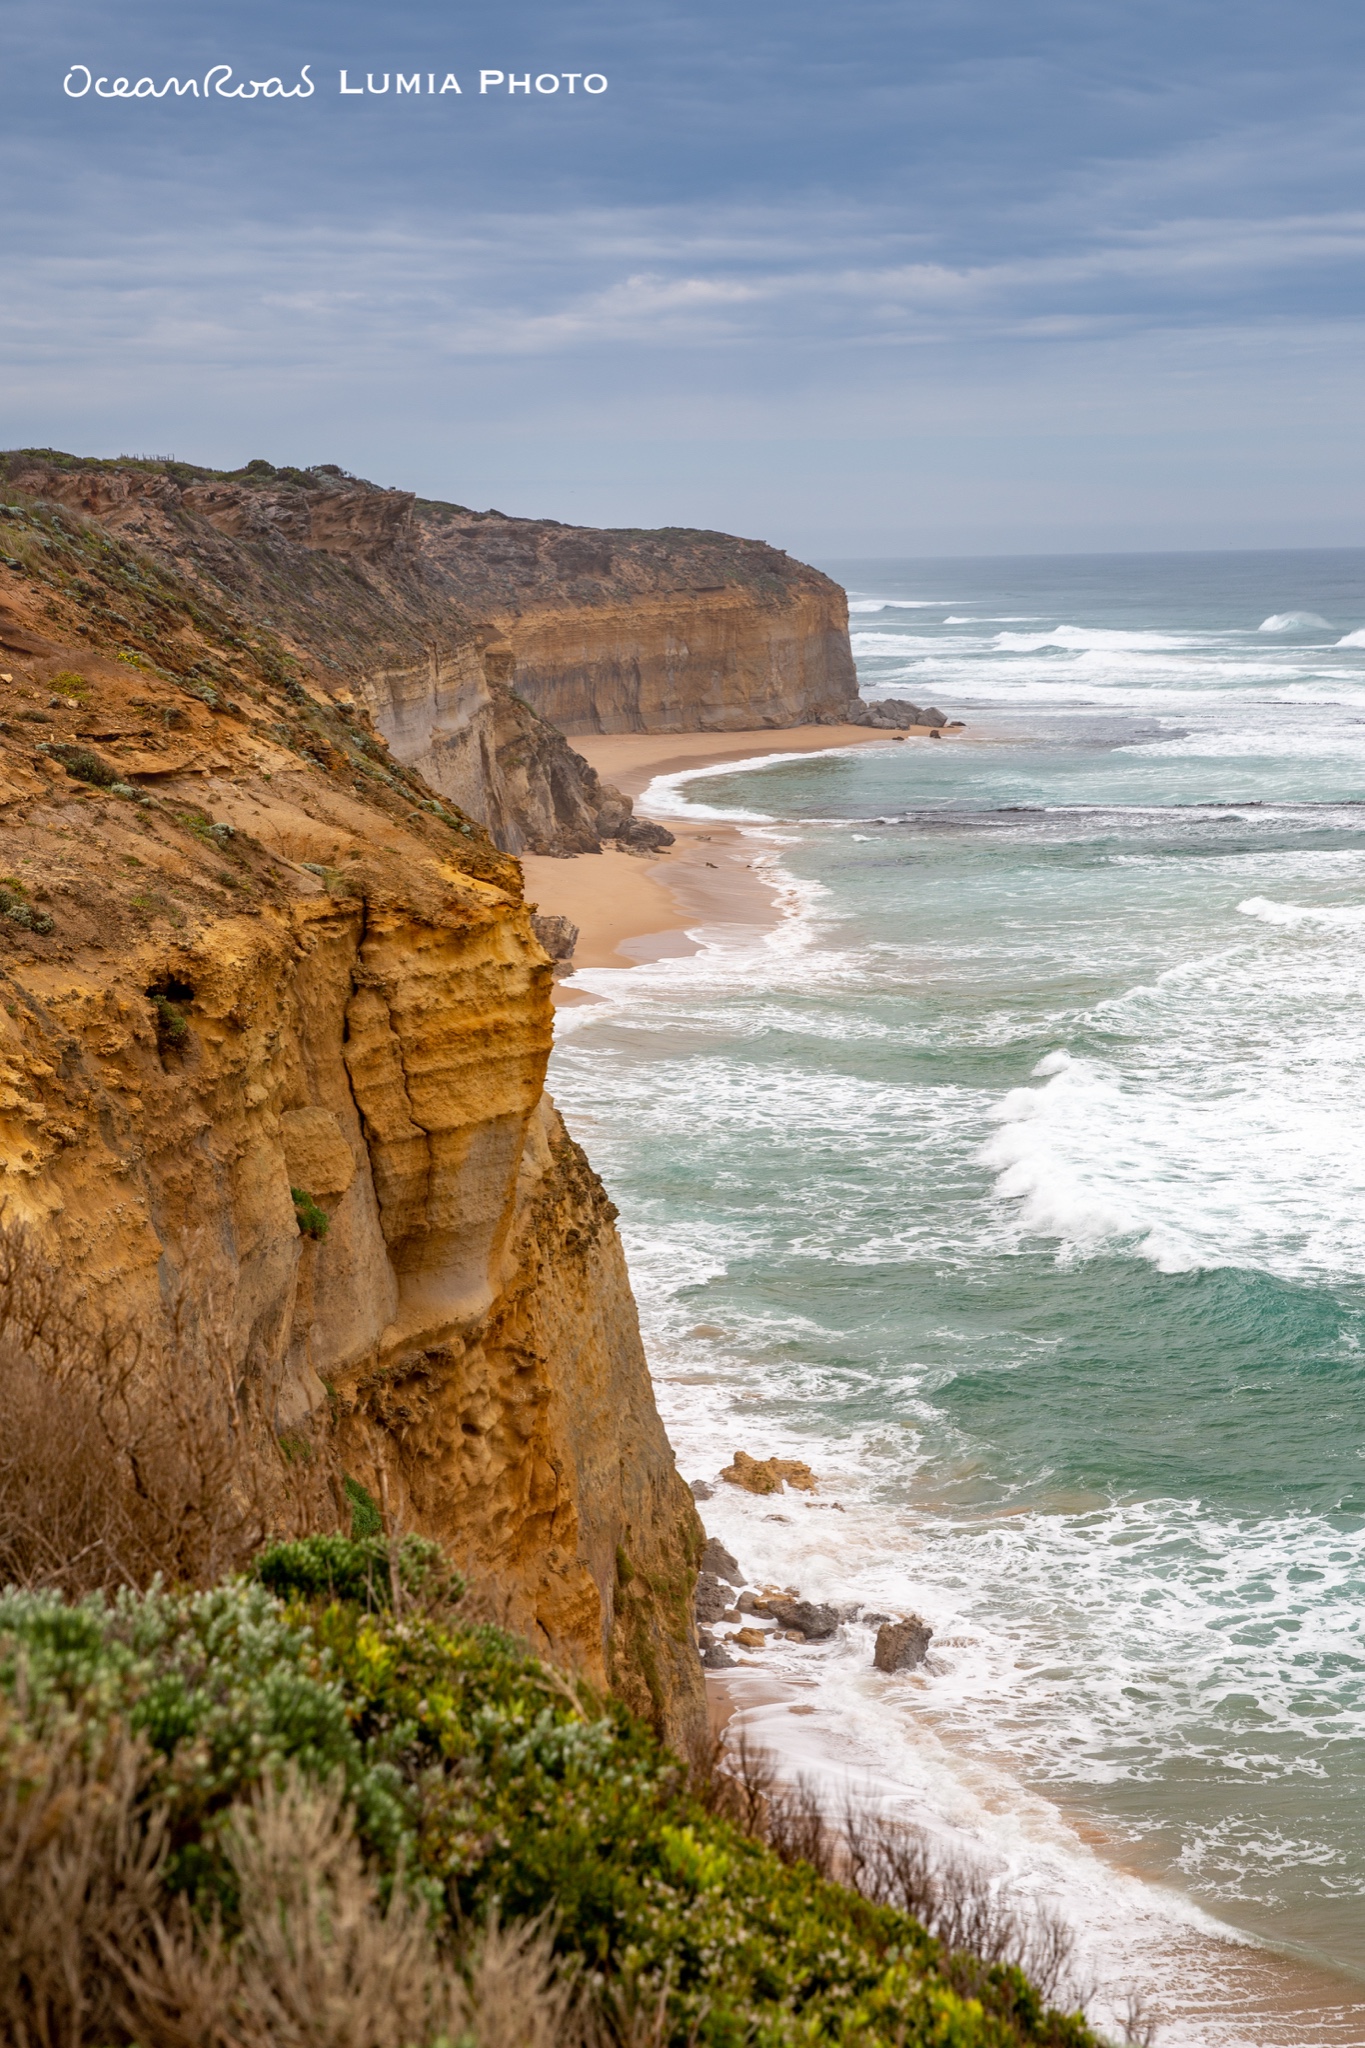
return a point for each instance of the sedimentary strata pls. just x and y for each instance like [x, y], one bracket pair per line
[273, 1034]
[671, 630]
[332, 571]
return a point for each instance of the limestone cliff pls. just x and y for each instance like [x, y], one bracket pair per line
[620, 630]
[327, 567]
[255, 974]
[476, 641]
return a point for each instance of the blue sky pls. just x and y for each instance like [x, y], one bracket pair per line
[977, 275]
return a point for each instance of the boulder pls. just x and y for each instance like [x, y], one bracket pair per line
[749, 1638]
[616, 820]
[767, 1475]
[816, 1622]
[717, 1560]
[557, 935]
[750, 1603]
[701, 1489]
[712, 1600]
[642, 835]
[901, 1645]
[890, 714]
[715, 1657]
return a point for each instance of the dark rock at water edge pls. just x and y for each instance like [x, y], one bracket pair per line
[901, 1645]
[816, 1622]
[893, 714]
[712, 1599]
[701, 1489]
[717, 1560]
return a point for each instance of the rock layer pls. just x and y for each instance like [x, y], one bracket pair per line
[619, 630]
[266, 976]
[331, 570]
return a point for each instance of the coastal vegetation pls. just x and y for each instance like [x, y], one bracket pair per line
[312, 1802]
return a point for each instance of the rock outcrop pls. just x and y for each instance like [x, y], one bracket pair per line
[902, 1645]
[332, 572]
[273, 1036]
[768, 1475]
[622, 630]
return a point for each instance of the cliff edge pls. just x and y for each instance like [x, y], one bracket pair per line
[273, 1037]
[330, 569]
[476, 641]
[663, 630]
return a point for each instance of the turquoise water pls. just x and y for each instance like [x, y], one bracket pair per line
[1015, 1181]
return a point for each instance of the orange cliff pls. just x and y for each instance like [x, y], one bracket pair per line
[668, 630]
[245, 953]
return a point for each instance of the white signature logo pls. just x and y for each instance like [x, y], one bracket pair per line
[215, 81]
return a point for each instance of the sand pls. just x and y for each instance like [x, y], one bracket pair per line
[630, 907]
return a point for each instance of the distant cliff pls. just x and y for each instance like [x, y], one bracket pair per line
[273, 1049]
[332, 570]
[476, 641]
[670, 630]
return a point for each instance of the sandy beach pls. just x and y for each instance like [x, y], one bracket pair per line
[630, 907]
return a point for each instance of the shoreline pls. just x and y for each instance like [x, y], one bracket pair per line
[1288, 1998]
[632, 908]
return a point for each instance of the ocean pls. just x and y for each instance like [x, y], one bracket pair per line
[1016, 1181]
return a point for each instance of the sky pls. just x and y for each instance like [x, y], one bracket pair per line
[887, 277]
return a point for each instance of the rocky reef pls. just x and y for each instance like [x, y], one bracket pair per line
[274, 1026]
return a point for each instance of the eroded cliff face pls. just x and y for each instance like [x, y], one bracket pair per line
[476, 641]
[242, 954]
[326, 567]
[618, 630]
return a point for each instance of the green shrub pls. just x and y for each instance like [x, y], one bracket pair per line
[342, 1568]
[312, 1220]
[171, 1027]
[84, 765]
[366, 1519]
[15, 906]
[486, 1779]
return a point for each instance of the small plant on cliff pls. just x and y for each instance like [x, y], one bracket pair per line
[312, 1220]
[366, 1519]
[14, 905]
[84, 765]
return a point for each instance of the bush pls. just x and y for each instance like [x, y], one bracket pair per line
[476, 1780]
[371, 1572]
[85, 765]
[312, 1220]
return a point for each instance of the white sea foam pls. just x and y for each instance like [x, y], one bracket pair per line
[1205, 1115]
[1356, 639]
[1270, 912]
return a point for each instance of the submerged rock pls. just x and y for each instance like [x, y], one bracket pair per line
[901, 1645]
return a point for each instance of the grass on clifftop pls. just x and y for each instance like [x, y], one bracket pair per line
[417, 1778]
